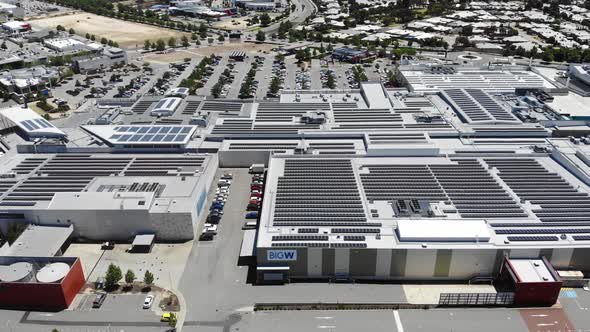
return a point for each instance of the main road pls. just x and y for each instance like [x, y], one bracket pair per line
[303, 10]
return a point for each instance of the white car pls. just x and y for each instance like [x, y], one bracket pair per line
[147, 303]
[210, 228]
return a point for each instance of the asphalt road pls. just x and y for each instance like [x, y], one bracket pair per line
[303, 10]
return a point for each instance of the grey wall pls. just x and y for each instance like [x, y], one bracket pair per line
[418, 264]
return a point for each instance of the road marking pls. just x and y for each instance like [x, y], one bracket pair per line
[324, 317]
[398, 321]
[545, 324]
[326, 327]
[540, 315]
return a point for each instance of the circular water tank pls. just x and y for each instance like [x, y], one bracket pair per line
[17, 272]
[53, 272]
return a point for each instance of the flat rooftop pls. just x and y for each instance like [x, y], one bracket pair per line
[430, 79]
[164, 182]
[481, 199]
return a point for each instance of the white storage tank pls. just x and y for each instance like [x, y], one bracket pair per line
[53, 272]
[17, 272]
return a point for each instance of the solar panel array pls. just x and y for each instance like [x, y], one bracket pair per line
[476, 105]
[396, 138]
[365, 115]
[317, 192]
[557, 199]
[465, 184]
[213, 106]
[486, 80]
[286, 112]
[150, 134]
[36, 124]
[73, 172]
[142, 105]
[191, 107]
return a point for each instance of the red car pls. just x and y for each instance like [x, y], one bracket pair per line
[256, 194]
[254, 201]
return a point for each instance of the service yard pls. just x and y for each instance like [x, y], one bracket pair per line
[127, 34]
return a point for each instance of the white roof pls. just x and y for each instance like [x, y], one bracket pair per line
[63, 42]
[166, 106]
[375, 96]
[443, 230]
[143, 134]
[30, 122]
[13, 24]
[531, 270]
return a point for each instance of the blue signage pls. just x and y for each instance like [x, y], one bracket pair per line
[281, 255]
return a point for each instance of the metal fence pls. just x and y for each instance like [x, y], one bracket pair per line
[476, 299]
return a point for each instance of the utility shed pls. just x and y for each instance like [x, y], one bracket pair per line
[248, 249]
[143, 243]
[535, 281]
[443, 231]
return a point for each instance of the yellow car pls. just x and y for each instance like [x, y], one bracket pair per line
[166, 317]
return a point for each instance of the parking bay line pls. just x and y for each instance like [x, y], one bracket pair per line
[398, 321]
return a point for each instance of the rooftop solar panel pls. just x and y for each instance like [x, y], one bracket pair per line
[160, 103]
[146, 138]
[175, 130]
[33, 124]
[41, 123]
[185, 130]
[153, 130]
[179, 138]
[164, 130]
[27, 125]
[135, 138]
[115, 137]
[157, 138]
[168, 138]
[124, 138]
[122, 129]
[143, 130]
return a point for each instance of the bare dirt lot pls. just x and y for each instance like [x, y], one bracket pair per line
[181, 53]
[127, 34]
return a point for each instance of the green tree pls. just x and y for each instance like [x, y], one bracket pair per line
[104, 41]
[72, 31]
[216, 89]
[3, 46]
[87, 35]
[265, 20]
[203, 30]
[113, 276]
[331, 81]
[275, 85]
[160, 45]
[129, 276]
[221, 38]
[194, 36]
[172, 42]
[60, 28]
[184, 40]
[146, 45]
[148, 278]
[260, 36]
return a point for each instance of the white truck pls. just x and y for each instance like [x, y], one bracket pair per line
[256, 168]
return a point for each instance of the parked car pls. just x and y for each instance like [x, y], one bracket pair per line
[206, 236]
[252, 215]
[99, 300]
[147, 303]
[252, 207]
[109, 245]
[256, 194]
[227, 176]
